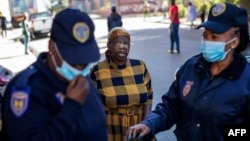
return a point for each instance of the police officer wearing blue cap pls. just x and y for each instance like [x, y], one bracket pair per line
[211, 92]
[54, 99]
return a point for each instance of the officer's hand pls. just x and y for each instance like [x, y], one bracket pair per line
[137, 132]
[78, 89]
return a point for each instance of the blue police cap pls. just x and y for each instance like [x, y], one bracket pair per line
[224, 16]
[73, 33]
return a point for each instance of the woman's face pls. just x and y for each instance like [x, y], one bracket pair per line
[119, 49]
[224, 37]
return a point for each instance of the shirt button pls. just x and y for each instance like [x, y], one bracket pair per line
[198, 125]
[205, 98]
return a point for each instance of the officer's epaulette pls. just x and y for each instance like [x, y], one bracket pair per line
[23, 77]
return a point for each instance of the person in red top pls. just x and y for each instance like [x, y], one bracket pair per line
[174, 28]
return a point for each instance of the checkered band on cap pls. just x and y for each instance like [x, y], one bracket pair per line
[118, 32]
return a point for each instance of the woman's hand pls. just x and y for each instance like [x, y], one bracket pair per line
[137, 131]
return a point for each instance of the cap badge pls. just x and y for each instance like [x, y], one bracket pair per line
[218, 9]
[81, 32]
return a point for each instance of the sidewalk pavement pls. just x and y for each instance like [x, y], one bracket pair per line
[12, 53]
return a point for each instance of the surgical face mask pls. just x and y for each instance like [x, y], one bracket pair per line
[214, 51]
[69, 72]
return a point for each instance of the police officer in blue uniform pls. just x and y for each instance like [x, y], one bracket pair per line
[54, 99]
[211, 93]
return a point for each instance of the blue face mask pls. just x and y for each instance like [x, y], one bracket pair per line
[214, 51]
[69, 72]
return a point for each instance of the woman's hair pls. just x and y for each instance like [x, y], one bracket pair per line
[244, 38]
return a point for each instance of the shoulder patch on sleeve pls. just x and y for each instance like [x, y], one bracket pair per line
[19, 102]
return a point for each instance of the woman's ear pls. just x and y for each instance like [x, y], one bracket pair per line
[54, 52]
[235, 43]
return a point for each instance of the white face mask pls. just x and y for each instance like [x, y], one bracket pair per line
[69, 72]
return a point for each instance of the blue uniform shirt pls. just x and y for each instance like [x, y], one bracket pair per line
[37, 112]
[201, 106]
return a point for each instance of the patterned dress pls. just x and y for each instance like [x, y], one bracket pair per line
[124, 91]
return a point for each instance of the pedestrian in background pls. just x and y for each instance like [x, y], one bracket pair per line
[26, 32]
[3, 22]
[114, 19]
[146, 9]
[164, 8]
[174, 28]
[124, 85]
[202, 14]
[54, 99]
[211, 92]
[192, 14]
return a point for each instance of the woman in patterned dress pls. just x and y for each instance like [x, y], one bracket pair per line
[124, 85]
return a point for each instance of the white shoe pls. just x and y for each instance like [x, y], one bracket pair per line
[176, 51]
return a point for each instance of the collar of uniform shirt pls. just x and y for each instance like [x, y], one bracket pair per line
[233, 71]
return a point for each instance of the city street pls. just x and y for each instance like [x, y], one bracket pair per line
[150, 42]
